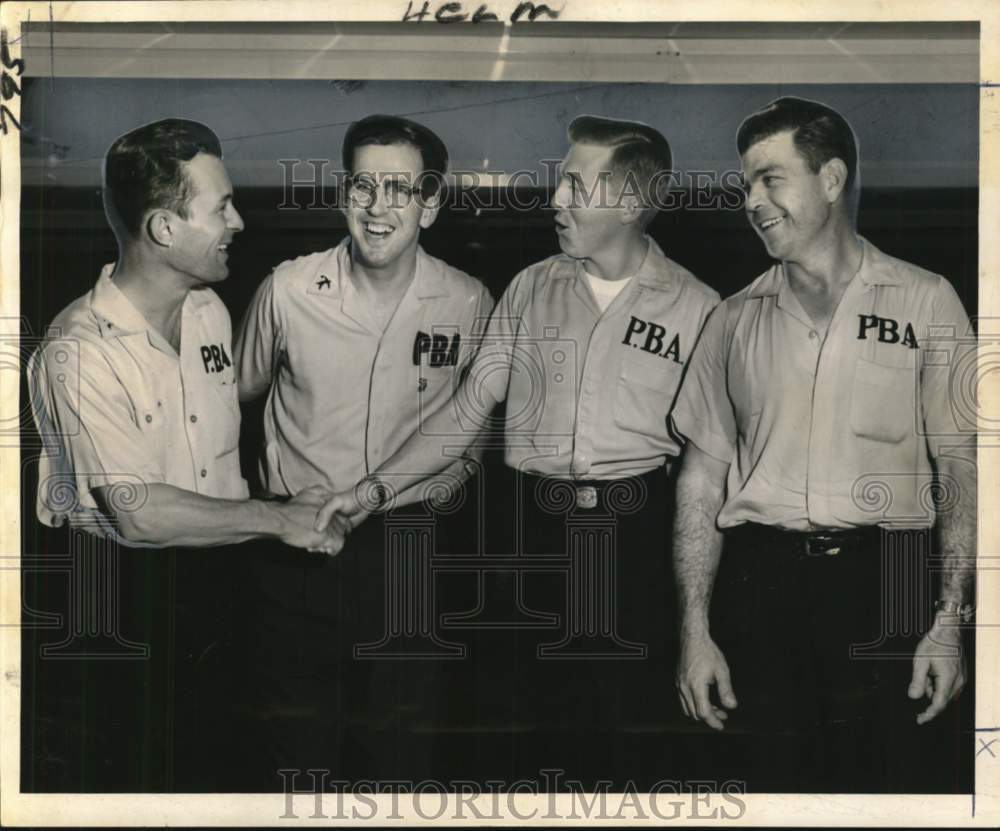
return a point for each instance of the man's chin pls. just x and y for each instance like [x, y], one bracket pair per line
[566, 248]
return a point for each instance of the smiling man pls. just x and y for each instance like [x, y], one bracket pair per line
[354, 347]
[147, 395]
[134, 396]
[818, 412]
[587, 348]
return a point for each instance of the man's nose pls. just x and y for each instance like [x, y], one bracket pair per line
[754, 197]
[234, 220]
[560, 198]
[380, 202]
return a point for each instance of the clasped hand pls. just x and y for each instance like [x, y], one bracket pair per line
[319, 520]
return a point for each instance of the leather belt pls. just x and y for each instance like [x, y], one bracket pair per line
[814, 544]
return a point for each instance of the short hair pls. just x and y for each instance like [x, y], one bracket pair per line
[387, 130]
[144, 170]
[819, 133]
[640, 151]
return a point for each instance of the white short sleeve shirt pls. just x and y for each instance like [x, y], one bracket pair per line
[116, 406]
[840, 433]
[342, 393]
[588, 392]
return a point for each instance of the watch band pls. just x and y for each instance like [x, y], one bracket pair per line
[964, 611]
[373, 493]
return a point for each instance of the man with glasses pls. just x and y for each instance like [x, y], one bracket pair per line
[354, 347]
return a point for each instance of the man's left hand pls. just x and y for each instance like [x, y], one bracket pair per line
[344, 508]
[938, 669]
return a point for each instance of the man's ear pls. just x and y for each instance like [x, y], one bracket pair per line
[159, 227]
[429, 208]
[630, 199]
[834, 176]
[631, 209]
[344, 195]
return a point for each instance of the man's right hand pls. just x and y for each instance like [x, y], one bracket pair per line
[298, 518]
[701, 665]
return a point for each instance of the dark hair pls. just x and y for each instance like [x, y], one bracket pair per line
[640, 151]
[144, 169]
[392, 129]
[819, 133]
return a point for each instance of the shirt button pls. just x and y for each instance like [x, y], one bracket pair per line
[813, 335]
[204, 473]
[194, 418]
[149, 419]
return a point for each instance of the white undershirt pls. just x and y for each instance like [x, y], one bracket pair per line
[605, 290]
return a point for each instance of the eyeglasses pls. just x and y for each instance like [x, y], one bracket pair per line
[363, 190]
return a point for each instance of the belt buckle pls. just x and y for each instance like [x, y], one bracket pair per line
[586, 497]
[821, 547]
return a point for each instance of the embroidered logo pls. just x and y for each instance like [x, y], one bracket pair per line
[888, 330]
[215, 358]
[438, 349]
[653, 343]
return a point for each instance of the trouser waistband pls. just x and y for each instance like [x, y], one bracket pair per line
[812, 544]
[623, 495]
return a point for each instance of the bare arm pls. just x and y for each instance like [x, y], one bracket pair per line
[939, 662]
[459, 423]
[957, 526]
[697, 549]
[463, 421]
[939, 670]
[166, 515]
[697, 539]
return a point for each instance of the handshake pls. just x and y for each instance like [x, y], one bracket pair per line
[318, 519]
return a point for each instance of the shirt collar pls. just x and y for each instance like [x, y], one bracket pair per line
[876, 270]
[429, 279]
[656, 272]
[113, 310]
[116, 314]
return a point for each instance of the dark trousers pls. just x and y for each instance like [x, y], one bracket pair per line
[570, 654]
[336, 680]
[125, 667]
[615, 601]
[820, 652]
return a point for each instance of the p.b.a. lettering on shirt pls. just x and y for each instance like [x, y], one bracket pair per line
[436, 350]
[214, 357]
[887, 330]
[654, 341]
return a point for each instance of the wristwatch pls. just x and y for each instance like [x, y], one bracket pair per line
[965, 611]
[373, 493]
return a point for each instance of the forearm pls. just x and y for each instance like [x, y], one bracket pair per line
[172, 516]
[442, 442]
[697, 542]
[957, 529]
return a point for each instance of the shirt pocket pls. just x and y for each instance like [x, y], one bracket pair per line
[644, 395]
[882, 401]
[227, 418]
